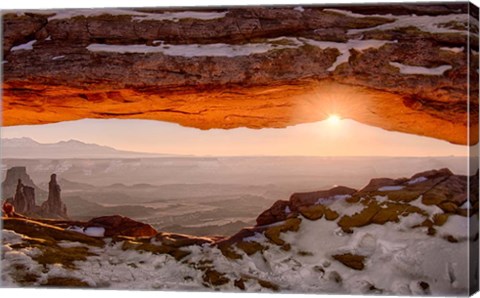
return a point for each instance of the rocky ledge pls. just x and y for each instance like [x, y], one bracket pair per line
[376, 240]
[390, 66]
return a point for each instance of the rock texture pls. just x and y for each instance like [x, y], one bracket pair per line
[247, 67]
[54, 206]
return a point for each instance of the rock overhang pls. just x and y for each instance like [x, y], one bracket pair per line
[404, 68]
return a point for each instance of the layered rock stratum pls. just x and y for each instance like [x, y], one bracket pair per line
[391, 66]
[404, 236]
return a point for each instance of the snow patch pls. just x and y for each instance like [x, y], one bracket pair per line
[417, 180]
[90, 231]
[356, 15]
[430, 209]
[391, 188]
[26, 46]
[137, 15]
[397, 260]
[381, 199]
[332, 199]
[299, 8]
[344, 48]
[69, 244]
[287, 210]
[456, 226]
[410, 221]
[407, 69]
[466, 205]
[176, 16]
[344, 207]
[11, 237]
[341, 197]
[58, 57]
[454, 50]
[257, 237]
[431, 24]
[197, 50]
[228, 50]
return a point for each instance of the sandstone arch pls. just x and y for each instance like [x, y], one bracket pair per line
[271, 67]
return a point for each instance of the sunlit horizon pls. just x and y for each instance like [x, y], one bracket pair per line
[333, 137]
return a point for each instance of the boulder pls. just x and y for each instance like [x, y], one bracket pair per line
[453, 189]
[355, 262]
[312, 212]
[117, 225]
[377, 183]
[8, 210]
[311, 198]
[276, 213]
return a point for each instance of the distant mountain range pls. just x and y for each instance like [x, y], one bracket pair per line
[29, 148]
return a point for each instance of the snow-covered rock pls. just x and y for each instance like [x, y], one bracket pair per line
[376, 244]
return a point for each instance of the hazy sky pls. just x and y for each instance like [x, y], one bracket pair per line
[325, 138]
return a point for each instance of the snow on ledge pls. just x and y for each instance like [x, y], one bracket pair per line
[431, 24]
[176, 16]
[344, 48]
[454, 50]
[417, 180]
[26, 46]
[197, 50]
[348, 13]
[229, 50]
[137, 15]
[299, 8]
[391, 188]
[408, 69]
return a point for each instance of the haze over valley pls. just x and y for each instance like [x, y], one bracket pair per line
[195, 194]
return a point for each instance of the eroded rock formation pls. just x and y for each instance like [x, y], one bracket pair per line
[9, 185]
[24, 199]
[253, 67]
[54, 206]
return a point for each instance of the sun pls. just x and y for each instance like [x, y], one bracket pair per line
[333, 119]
